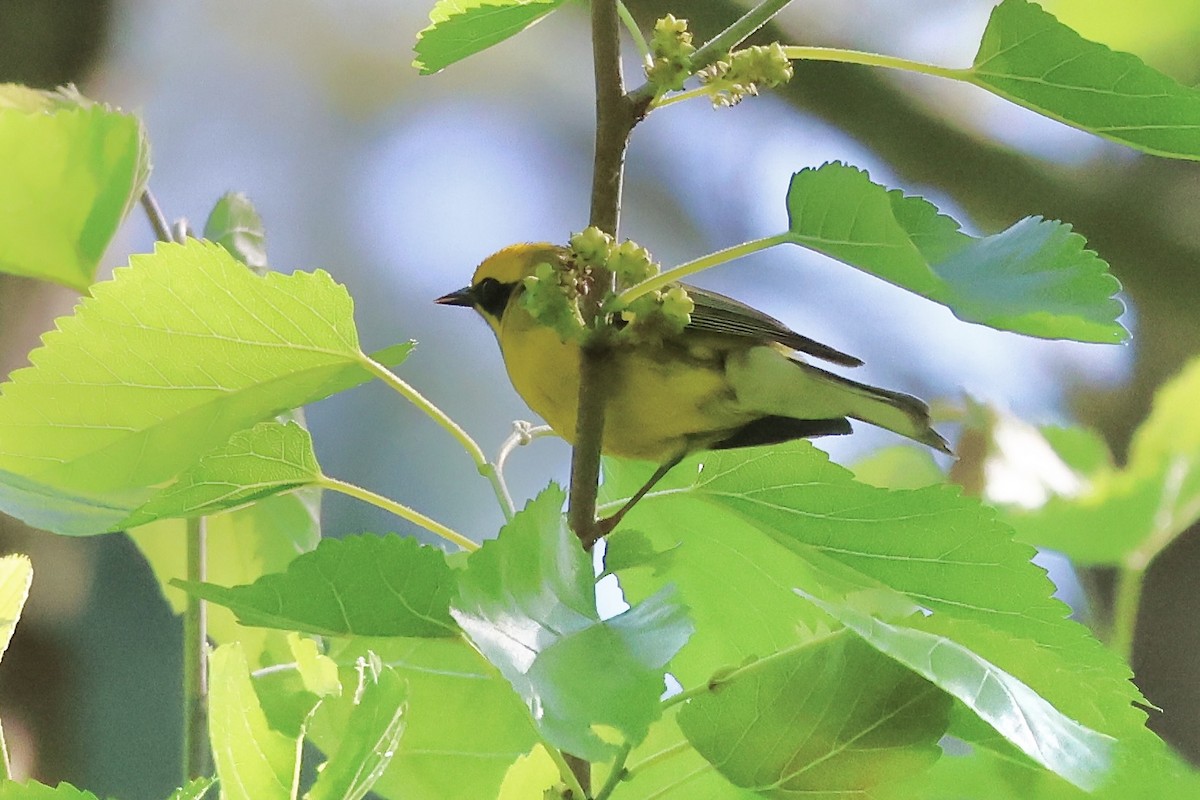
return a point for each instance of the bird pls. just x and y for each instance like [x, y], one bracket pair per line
[733, 377]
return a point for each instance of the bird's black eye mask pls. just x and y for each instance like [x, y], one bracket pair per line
[492, 296]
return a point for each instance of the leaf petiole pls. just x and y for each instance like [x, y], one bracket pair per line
[482, 465]
[668, 277]
[397, 508]
[800, 53]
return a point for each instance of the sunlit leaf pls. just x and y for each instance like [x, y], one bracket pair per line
[161, 365]
[833, 719]
[530, 776]
[460, 28]
[369, 743]
[741, 529]
[32, 790]
[1021, 715]
[256, 463]
[194, 790]
[318, 671]
[667, 767]
[16, 575]
[463, 729]
[1030, 58]
[356, 586]
[242, 546]
[1034, 278]
[72, 171]
[253, 762]
[527, 600]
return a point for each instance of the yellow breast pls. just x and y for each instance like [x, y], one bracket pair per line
[662, 401]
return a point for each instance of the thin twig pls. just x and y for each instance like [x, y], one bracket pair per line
[158, 220]
[197, 755]
[196, 752]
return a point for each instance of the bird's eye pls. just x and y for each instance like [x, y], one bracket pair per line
[492, 295]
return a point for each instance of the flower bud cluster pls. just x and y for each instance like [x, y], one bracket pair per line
[740, 74]
[552, 293]
[670, 60]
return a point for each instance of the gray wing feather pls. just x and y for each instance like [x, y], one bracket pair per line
[717, 313]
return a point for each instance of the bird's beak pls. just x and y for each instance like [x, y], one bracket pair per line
[460, 298]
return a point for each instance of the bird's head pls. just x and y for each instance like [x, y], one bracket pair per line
[499, 276]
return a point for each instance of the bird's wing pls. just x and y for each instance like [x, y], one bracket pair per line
[717, 313]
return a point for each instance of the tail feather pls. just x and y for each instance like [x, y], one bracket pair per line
[769, 382]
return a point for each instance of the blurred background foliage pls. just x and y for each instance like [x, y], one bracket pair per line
[399, 185]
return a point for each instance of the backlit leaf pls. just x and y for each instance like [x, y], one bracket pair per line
[460, 28]
[1034, 278]
[357, 586]
[527, 600]
[72, 171]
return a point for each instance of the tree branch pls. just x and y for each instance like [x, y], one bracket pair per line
[615, 118]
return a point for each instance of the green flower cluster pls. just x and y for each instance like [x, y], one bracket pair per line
[670, 61]
[552, 294]
[738, 76]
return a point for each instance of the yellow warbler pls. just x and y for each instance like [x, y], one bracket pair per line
[730, 378]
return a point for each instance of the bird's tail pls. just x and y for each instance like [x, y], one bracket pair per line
[895, 411]
[768, 381]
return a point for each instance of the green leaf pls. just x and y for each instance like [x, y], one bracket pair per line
[741, 529]
[1020, 714]
[532, 775]
[357, 586]
[527, 600]
[1029, 57]
[318, 671]
[1149, 770]
[72, 171]
[16, 576]
[461, 28]
[1034, 278]
[464, 726]
[1123, 515]
[899, 467]
[32, 790]
[371, 737]
[161, 365]
[268, 459]
[667, 767]
[235, 224]
[242, 545]
[831, 719]
[194, 790]
[253, 762]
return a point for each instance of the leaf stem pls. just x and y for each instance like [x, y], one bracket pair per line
[721, 679]
[735, 34]
[679, 97]
[1125, 610]
[158, 220]
[1169, 521]
[635, 32]
[798, 53]
[660, 756]
[566, 771]
[616, 774]
[691, 267]
[482, 465]
[397, 508]
[196, 752]
[523, 433]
